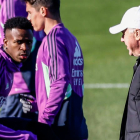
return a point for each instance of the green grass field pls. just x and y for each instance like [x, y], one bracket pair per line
[106, 61]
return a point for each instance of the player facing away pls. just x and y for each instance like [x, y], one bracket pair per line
[16, 49]
[59, 73]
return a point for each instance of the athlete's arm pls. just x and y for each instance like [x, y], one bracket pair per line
[60, 80]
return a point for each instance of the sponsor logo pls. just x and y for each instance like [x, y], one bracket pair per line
[77, 51]
[77, 61]
[77, 74]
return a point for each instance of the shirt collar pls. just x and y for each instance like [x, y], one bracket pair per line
[12, 66]
[59, 25]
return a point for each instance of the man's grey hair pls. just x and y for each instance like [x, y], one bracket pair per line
[131, 30]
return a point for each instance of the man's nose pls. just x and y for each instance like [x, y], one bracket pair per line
[28, 17]
[24, 46]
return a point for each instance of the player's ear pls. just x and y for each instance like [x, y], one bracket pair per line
[5, 42]
[44, 11]
[137, 34]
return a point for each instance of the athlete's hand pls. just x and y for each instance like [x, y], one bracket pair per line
[29, 103]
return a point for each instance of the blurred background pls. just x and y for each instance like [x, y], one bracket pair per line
[106, 61]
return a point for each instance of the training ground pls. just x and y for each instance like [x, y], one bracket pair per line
[108, 67]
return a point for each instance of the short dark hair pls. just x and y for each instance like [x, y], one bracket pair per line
[17, 22]
[52, 5]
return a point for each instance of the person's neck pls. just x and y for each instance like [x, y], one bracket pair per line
[50, 23]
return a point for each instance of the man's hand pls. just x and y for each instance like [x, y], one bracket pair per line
[29, 103]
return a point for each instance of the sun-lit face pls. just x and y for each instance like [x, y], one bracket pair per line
[35, 17]
[18, 43]
[130, 41]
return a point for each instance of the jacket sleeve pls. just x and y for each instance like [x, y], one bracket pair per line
[2, 63]
[59, 71]
[7, 133]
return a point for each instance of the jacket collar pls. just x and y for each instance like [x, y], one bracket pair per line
[11, 65]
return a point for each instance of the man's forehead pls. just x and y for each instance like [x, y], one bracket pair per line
[28, 6]
[15, 32]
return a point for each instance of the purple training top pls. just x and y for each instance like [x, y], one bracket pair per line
[59, 82]
[19, 85]
[7, 67]
[9, 9]
[59, 70]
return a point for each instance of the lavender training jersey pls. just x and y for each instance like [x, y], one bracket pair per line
[7, 67]
[59, 81]
[14, 8]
